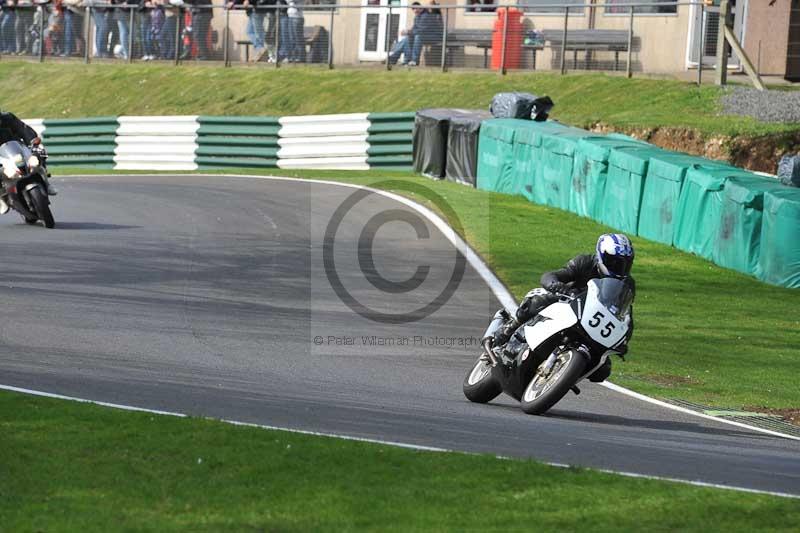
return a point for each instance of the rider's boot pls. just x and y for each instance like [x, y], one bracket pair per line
[4, 205]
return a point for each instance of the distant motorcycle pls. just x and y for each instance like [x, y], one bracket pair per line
[23, 182]
[565, 343]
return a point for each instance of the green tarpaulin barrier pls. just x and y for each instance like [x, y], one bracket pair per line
[589, 171]
[738, 243]
[699, 211]
[627, 168]
[552, 181]
[496, 155]
[528, 151]
[662, 189]
[779, 260]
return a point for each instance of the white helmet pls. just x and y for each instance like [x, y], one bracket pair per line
[614, 255]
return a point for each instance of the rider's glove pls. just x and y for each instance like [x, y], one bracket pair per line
[557, 287]
[505, 331]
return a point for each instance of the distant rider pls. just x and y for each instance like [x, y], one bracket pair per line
[13, 129]
[613, 257]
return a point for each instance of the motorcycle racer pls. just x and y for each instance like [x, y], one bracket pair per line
[613, 257]
[14, 129]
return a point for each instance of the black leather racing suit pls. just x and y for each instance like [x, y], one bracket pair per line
[573, 277]
[13, 129]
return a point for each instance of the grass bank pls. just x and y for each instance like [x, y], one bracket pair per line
[56, 90]
[703, 333]
[77, 467]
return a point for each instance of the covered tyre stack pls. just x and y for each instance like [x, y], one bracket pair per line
[430, 141]
[462, 147]
[779, 260]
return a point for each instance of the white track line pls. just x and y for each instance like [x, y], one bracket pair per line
[500, 291]
[388, 442]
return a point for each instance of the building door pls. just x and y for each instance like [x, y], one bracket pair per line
[711, 27]
[376, 26]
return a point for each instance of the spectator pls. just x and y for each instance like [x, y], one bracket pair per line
[297, 43]
[255, 24]
[24, 21]
[202, 12]
[169, 29]
[73, 22]
[145, 35]
[427, 29]
[8, 23]
[100, 16]
[284, 32]
[271, 15]
[122, 15]
[157, 19]
[54, 31]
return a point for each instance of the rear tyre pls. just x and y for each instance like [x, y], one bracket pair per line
[479, 384]
[543, 392]
[42, 207]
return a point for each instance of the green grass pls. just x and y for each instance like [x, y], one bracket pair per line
[57, 90]
[703, 333]
[76, 467]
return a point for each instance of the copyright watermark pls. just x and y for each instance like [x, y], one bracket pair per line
[372, 294]
[396, 340]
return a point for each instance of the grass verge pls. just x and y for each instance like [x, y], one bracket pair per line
[60, 90]
[77, 467]
[703, 333]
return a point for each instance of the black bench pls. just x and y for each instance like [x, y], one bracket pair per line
[577, 40]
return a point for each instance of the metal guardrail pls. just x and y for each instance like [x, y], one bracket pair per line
[606, 35]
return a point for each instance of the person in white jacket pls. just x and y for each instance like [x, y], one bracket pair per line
[297, 45]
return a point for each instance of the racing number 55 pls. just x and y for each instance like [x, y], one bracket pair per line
[595, 321]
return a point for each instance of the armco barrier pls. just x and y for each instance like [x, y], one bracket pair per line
[79, 142]
[324, 142]
[731, 216]
[389, 136]
[354, 141]
[246, 142]
[156, 143]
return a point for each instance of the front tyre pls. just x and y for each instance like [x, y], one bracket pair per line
[544, 391]
[42, 206]
[479, 384]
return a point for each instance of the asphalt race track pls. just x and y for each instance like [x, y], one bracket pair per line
[209, 296]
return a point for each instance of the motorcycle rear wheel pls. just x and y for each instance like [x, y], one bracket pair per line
[542, 393]
[42, 207]
[479, 384]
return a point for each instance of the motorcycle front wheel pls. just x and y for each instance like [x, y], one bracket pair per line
[479, 384]
[544, 391]
[42, 207]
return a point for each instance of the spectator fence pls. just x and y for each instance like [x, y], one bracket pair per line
[626, 36]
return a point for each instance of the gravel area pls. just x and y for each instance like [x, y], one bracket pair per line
[766, 106]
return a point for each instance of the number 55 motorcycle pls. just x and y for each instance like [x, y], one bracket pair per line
[550, 354]
[23, 183]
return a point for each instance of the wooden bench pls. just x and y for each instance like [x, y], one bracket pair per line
[577, 41]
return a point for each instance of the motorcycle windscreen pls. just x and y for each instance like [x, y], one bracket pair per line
[606, 317]
[14, 154]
